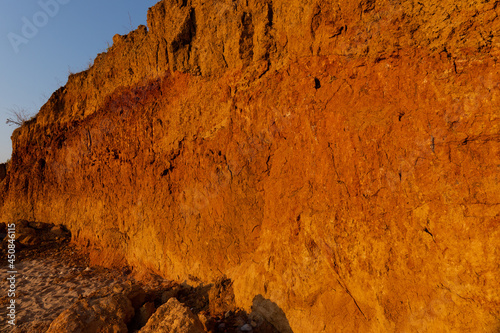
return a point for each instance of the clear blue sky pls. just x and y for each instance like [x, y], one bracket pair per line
[53, 37]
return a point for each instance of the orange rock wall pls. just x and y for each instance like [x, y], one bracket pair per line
[340, 160]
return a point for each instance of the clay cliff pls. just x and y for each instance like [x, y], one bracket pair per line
[339, 161]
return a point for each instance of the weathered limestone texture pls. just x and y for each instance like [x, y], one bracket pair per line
[339, 162]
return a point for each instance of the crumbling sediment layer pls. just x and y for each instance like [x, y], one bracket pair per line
[337, 161]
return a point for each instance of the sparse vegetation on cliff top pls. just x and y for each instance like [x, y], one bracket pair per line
[19, 116]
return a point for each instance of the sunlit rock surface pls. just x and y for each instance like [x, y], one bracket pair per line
[338, 162]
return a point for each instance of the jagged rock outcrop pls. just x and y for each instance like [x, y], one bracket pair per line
[105, 310]
[173, 317]
[338, 162]
[106, 314]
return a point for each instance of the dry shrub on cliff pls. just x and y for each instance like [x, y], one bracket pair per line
[19, 116]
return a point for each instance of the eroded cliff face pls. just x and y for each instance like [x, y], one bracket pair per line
[338, 160]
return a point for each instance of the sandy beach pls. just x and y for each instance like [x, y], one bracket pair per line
[48, 282]
[57, 290]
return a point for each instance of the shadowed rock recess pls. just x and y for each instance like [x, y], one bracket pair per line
[338, 162]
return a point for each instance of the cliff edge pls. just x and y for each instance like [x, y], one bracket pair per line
[339, 162]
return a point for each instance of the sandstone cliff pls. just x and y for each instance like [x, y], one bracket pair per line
[340, 161]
